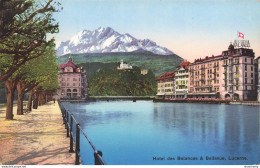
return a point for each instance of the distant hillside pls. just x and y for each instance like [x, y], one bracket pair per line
[159, 64]
[92, 67]
[111, 82]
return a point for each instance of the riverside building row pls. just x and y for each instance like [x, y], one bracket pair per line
[231, 75]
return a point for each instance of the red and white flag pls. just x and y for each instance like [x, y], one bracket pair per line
[240, 35]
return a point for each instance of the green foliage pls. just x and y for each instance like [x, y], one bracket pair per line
[113, 82]
[92, 67]
[24, 36]
[41, 71]
[158, 64]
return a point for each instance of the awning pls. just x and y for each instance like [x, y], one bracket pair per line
[214, 93]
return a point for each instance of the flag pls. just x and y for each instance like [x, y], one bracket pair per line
[240, 35]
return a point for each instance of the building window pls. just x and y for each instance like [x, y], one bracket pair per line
[237, 68]
[237, 75]
[246, 74]
[246, 88]
[252, 81]
[246, 81]
[75, 92]
[245, 59]
[74, 84]
[237, 87]
[69, 92]
[62, 92]
[252, 68]
[245, 68]
[74, 79]
[252, 75]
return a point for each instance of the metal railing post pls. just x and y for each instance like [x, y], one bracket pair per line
[77, 144]
[96, 153]
[71, 137]
[63, 116]
[67, 123]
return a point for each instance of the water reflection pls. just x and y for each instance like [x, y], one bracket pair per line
[234, 127]
[145, 129]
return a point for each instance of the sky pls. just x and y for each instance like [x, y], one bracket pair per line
[190, 28]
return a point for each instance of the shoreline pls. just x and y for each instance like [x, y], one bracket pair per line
[35, 138]
[201, 101]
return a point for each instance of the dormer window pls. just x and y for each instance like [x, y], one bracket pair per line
[68, 69]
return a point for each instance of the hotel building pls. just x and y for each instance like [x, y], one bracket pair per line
[257, 77]
[165, 85]
[181, 80]
[72, 81]
[229, 75]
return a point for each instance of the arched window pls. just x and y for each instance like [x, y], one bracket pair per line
[236, 96]
[227, 96]
[69, 92]
[75, 92]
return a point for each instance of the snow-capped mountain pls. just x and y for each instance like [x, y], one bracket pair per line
[105, 40]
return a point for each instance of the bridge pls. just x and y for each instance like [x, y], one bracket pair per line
[134, 98]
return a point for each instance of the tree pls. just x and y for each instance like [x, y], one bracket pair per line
[36, 72]
[24, 31]
[28, 76]
[8, 11]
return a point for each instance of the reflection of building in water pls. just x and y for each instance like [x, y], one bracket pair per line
[72, 81]
[124, 66]
[226, 126]
[242, 128]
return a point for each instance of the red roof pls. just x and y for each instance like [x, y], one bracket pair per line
[71, 64]
[166, 76]
[207, 58]
[184, 64]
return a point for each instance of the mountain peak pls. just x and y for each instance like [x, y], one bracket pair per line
[106, 39]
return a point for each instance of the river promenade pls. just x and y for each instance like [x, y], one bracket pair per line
[36, 138]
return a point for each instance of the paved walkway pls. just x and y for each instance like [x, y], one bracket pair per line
[36, 138]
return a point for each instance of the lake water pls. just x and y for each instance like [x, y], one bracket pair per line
[134, 133]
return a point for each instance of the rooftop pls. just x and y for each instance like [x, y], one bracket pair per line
[166, 76]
